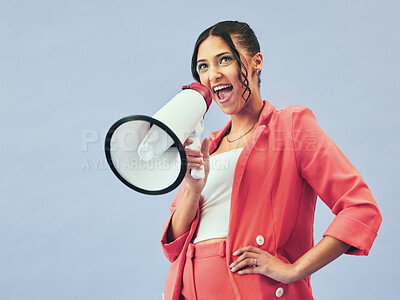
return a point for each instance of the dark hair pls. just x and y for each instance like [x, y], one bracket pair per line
[245, 38]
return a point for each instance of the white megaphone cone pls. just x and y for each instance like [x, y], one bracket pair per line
[147, 153]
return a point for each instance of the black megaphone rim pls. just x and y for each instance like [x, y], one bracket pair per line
[177, 143]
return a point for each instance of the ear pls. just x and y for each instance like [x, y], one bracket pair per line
[258, 61]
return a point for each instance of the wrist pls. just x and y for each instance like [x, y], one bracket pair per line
[297, 273]
[192, 192]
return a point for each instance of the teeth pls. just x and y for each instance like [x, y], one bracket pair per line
[220, 87]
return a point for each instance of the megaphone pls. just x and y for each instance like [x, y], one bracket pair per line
[147, 153]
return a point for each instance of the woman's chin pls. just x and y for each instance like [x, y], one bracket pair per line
[228, 110]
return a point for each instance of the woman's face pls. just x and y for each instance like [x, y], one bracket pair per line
[218, 71]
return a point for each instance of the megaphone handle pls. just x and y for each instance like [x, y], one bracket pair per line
[195, 136]
[196, 173]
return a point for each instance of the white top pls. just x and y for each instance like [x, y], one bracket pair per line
[216, 201]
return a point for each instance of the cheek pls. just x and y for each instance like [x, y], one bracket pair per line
[202, 78]
[233, 74]
[204, 81]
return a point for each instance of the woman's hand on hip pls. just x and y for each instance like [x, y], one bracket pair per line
[253, 260]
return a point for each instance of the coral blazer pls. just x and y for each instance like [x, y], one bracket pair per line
[287, 162]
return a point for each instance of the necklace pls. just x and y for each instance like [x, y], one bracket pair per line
[231, 141]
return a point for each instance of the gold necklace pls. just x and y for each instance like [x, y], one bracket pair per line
[231, 141]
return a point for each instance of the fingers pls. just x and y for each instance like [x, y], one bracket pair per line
[247, 249]
[247, 259]
[253, 260]
[193, 153]
[194, 163]
[194, 166]
[255, 270]
[205, 145]
[188, 142]
[194, 159]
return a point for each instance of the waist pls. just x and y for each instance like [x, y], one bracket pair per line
[214, 247]
[209, 241]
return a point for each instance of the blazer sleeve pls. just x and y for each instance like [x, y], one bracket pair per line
[337, 182]
[172, 249]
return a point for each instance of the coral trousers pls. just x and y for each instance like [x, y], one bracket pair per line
[206, 274]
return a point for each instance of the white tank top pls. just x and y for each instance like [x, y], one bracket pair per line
[216, 201]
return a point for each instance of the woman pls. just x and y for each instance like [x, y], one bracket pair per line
[246, 231]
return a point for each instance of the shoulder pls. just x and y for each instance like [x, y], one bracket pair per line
[292, 115]
[294, 109]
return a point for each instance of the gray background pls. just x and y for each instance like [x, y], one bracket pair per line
[69, 69]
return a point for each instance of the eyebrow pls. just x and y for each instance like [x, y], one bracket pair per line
[216, 56]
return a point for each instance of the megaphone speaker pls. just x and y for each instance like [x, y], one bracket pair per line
[147, 153]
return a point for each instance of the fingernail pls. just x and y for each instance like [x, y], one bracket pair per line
[233, 270]
[235, 253]
[231, 265]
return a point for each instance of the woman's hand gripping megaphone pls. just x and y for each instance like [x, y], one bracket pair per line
[197, 161]
[195, 137]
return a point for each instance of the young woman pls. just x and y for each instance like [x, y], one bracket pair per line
[245, 231]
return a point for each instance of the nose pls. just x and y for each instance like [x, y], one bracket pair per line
[214, 74]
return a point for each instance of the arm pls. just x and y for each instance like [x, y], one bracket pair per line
[337, 182]
[327, 250]
[174, 237]
[320, 162]
[184, 214]
[185, 207]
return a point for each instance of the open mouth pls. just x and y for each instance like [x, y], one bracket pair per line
[223, 91]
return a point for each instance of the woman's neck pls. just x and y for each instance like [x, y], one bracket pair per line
[247, 117]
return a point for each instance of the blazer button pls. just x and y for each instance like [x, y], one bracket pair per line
[260, 240]
[279, 292]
